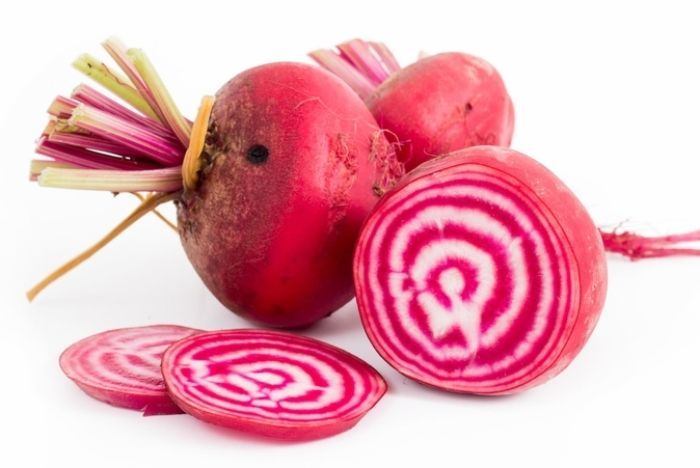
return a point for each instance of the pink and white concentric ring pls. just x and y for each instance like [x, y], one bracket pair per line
[270, 383]
[464, 283]
[122, 367]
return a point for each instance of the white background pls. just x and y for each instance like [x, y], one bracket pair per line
[606, 95]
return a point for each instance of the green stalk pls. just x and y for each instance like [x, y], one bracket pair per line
[153, 180]
[113, 81]
[166, 104]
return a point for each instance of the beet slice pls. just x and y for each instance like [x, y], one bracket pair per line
[480, 273]
[122, 367]
[270, 383]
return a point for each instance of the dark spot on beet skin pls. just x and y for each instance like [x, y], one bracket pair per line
[257, 154]
[468, 107]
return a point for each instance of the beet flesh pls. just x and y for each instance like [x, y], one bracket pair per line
[122, 367]
[481, 272]
[294, 162]
[271, 384]
[443, 103]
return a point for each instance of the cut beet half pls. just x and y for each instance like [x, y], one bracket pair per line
[272, 384]
[122, 367]
[480, 273]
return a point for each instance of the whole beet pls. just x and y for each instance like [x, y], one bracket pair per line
[292, 166]
[443, 103]
[439, 104]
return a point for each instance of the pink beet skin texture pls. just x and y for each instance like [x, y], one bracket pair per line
[122, 367]
[271, 384]
[443, 103]
[480, 273]
[273, 240]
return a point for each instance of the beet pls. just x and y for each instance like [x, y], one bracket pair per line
[271, 384]
[294, 162]
[439, 104]
[122, 367]
[480, 273]
[272, 180]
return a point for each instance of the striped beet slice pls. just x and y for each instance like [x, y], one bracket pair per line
[480, 273]
[122, 367]
[270, 383]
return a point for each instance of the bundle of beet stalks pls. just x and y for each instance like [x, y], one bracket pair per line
[475, 269]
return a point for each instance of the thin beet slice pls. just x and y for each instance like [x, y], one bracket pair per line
[122, 367]
[481, 273]
[269, 383]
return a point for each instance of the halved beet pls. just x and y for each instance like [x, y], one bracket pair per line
[481, 273]
[269, 383]
[122, 367]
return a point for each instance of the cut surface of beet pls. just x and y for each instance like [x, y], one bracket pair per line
[122, 367]
[272, 384]
[481, 273]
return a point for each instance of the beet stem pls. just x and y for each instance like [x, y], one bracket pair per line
[103, 145]
[344, 70]
[125, 133]
[38, 165]
[361, 64]
[94, 98]
[118, 52]
[177, 123]
[151, 180]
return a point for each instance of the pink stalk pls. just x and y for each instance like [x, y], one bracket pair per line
[128, 134]
[85, 158]
[387, 58]
[360, 54]
[87, 95]
[96, 143]
[637, 247]
[362, 65]
[62, 107]
[344, 70]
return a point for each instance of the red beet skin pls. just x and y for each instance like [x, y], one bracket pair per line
[294, 164]
[271, 384]
[443, 103]
[480, 273]
[122, 367]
